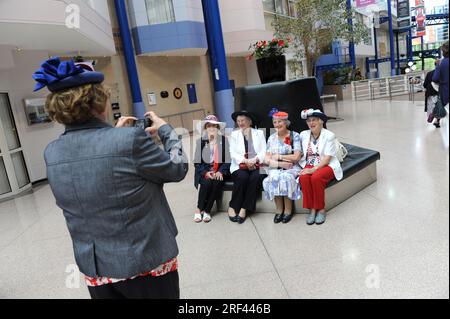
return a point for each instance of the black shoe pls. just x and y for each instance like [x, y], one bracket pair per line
[278, 218]
[233, 219]
[240, 219]
[437, 125]
[287, 218]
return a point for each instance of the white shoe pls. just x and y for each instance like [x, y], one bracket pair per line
[206, 217]
[198, 217]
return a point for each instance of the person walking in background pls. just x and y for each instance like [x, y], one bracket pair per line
[431, 95]
[440, 76]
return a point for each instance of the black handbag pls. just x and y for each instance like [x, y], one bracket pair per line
[439, 110]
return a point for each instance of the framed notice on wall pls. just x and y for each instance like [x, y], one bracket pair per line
[35, 111]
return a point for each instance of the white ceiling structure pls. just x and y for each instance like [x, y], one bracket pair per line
[41, 25]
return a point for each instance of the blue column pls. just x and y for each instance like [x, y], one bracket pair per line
[391, 38]
[375, 40]
[351, 44]
[133, 79]
[223, 94]
[398, 53]
[410, 47]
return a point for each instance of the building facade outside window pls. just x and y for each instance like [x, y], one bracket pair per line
[160, 11]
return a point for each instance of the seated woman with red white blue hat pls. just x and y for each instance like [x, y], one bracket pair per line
[319, 164]
[282, 157]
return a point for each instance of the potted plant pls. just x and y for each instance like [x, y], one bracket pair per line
[270, 59]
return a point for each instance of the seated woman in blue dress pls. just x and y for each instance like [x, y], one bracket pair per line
[282, 157]
[212, 166]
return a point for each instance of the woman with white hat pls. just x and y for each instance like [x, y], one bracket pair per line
[319, 164]
[211, 166]
[283, 155]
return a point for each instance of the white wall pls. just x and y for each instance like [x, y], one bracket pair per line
[188, 10]
[18, 83]
[41, 25]
[242, 24]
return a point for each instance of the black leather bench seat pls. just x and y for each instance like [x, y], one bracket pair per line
[357, 159]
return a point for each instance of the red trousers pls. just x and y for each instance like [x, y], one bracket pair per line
[313, 187]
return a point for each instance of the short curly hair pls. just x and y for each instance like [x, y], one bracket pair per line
[77, 105]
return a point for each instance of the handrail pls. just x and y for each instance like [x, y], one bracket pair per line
[384, 87]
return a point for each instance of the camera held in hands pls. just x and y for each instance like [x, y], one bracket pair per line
[143, 123]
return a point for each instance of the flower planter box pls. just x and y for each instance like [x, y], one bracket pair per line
[272, 69]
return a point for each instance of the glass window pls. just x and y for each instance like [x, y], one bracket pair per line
[160, 11]
[269, 5]
[9, 127]
[20, 169]
[5, 187]
[282, 7]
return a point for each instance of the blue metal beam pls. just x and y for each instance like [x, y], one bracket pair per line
[133, 79]
[351, 45]
[223, 94]
[391, 38]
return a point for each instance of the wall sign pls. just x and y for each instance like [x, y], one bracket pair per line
[192, 93]
[177, 93]
[35, 111]
[151, 98]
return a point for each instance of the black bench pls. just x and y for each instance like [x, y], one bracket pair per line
[359, 166]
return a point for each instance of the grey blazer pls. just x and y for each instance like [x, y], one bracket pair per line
[109, 183]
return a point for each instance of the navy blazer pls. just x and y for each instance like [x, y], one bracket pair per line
[202, 156]
[109, 183]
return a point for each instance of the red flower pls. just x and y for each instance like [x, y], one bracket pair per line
[274, 40]
[287, 140]
[281, 43]
[249, 57]
[259, 44]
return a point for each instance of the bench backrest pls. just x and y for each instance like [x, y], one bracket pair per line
[290, 96]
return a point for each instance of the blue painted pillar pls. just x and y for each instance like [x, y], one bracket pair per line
[410, 47]
[391, 38]
[398, 53]
[223, 94]
[375, 40]
[133, 79]
[351, 44]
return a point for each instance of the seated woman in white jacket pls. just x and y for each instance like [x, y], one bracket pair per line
[319, 164]
[247, 152]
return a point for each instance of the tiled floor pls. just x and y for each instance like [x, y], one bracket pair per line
[389, 241]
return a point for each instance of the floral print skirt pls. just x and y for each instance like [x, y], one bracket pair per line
[282, 183]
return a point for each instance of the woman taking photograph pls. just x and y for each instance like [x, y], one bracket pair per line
[282, 157]
[109, 183]
[319, 164]
[247, 151]
[211, 166]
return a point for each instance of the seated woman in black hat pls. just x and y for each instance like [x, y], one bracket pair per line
[247, 151]
[212, 166]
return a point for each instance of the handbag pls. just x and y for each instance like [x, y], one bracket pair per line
[439, 110]
[341, 151]
[244, 166]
